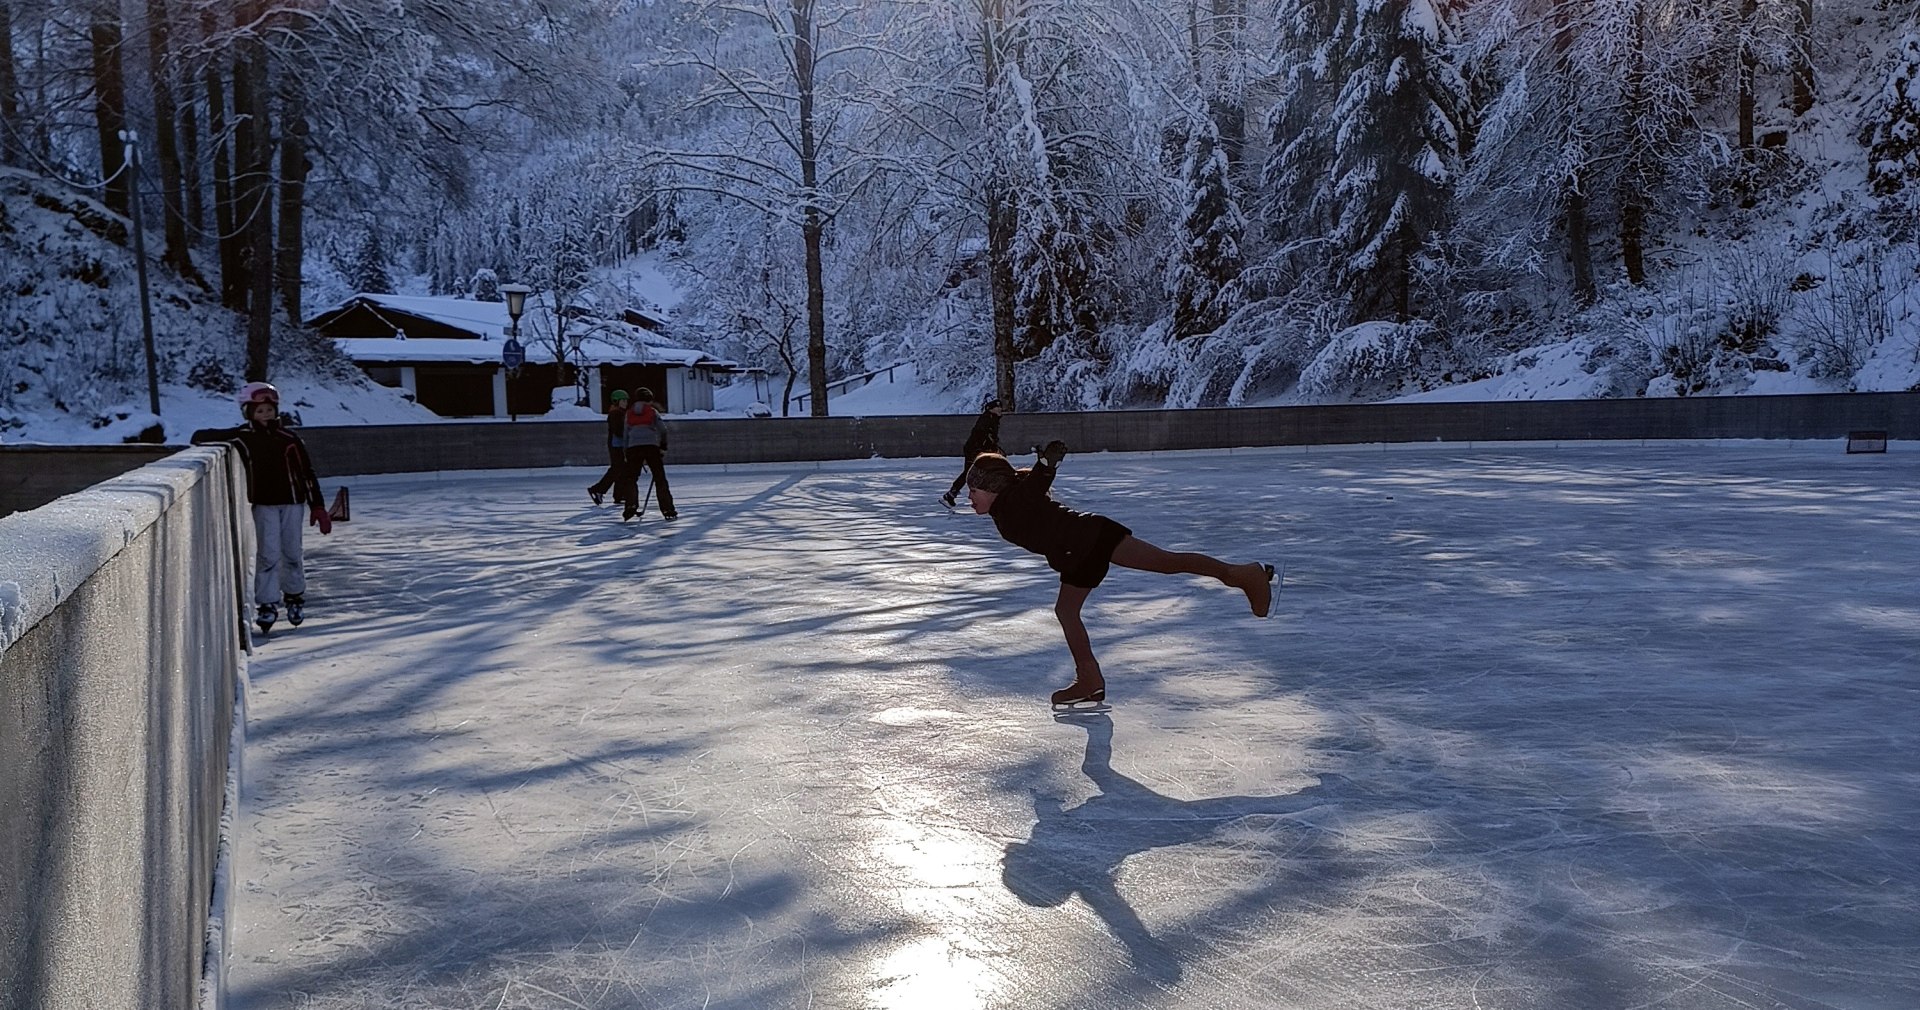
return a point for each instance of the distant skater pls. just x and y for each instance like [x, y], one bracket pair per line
[1081, 546]
[984, 438]
[616, 451]
[286, 498]
[646, 442]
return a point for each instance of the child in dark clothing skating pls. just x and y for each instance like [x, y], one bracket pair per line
[1081, 546]
[286, 498]
[984, 438]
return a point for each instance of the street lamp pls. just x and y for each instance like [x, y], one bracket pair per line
[131, 159]
[516, 295]
[513, 355]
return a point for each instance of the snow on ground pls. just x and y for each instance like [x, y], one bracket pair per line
[902, 393]
[187, 410]
[1549, 372]
[1594, 727]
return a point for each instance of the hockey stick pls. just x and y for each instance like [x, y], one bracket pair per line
[646, 500]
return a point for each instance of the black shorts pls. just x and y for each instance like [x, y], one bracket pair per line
[1085, 563]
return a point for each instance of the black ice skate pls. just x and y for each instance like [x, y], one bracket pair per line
[265, 616]
[952, 504]
[1081, 694]
[296, 609]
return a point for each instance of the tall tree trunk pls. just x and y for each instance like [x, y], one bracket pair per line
[241, 188]
[110, 107]
[1403, 276]
[1001, 222]
[165, 145]
[812, 224]
[1749, 10]
[1227, 105]
[1633, 235]
[1579, 245]
[9, 90]
[1803, 58]
[257, 208]
[293, 194]
[194, 207]
[1633, 196]
[1001, 217]
[1574, 187]
[226, 219]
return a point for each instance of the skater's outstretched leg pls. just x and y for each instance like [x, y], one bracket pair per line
[1251, 578]
[1088, 684]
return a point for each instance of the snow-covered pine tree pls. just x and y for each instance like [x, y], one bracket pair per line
[1055, 242]
[1205, 264]
[485, 286]
[370, 266]
[1365, 143]
[1031, 129]
[1593, 128]
[1395, 152]
[1295, 207]
[1892, 131]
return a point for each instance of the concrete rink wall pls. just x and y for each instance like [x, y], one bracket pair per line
[120, 658]
[493, 445]
[33, 475]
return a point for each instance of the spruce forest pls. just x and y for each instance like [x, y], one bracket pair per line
[1072, 204]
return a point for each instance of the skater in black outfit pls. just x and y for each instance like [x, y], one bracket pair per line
[286, 498]
[1081, 546]
[616, 450]
[646, 441]
[985, 438]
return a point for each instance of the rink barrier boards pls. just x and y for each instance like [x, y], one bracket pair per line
[531, 444]
[121, 657]
[33, 475]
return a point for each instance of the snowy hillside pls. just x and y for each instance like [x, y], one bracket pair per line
[71, 345]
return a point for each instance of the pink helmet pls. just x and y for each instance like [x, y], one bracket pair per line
[258, 392]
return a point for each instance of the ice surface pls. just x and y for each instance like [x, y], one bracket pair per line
[1595, 727]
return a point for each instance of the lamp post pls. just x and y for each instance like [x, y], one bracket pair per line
[516, 296]
[513, 355]
[131, 157]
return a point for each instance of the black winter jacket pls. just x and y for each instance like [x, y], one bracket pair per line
[1028, 517]
[279, 471]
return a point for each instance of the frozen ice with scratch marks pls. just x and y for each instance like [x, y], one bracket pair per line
[1570, 728]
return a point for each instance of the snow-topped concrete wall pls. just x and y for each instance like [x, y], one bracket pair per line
[120, 662]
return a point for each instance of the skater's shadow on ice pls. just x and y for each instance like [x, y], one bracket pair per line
[1078, 851]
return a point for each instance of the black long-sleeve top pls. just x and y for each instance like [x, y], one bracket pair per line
[279, 471]
[985, 436]
[1029, 518]
[616, 427]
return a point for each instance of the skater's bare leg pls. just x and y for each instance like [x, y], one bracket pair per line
[1086, 669]
[1250, 578]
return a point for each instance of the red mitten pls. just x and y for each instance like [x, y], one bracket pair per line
[324, 520]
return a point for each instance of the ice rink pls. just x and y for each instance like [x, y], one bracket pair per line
[1574, 728]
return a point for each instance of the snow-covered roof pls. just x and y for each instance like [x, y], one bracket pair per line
[480, 318]
[378, 350]
[606, 341]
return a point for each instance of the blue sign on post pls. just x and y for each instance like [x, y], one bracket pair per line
[513, 355]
